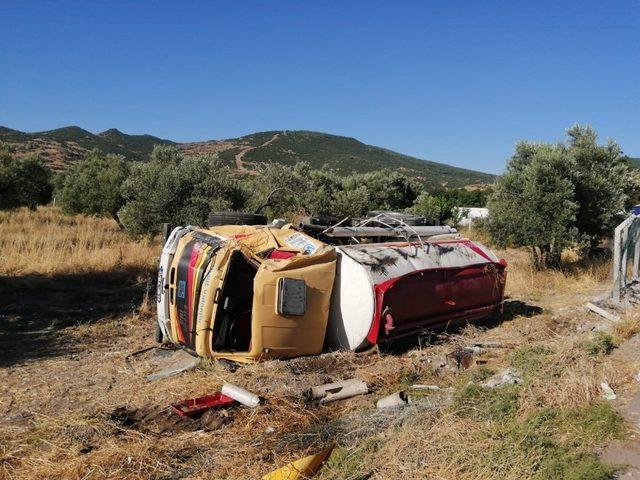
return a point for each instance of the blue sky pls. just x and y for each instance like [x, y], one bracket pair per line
[449, 81]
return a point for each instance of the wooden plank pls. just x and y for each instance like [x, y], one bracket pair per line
[602, 312]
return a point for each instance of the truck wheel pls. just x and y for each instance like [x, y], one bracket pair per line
[159, 336]
[235, 218]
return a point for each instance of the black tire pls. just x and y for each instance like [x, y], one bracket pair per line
[158, 335]
[235, 218]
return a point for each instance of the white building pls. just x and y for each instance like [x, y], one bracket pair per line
[470, 214]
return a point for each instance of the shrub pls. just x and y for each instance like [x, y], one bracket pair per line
[440, 208]
[387, 189]
[93, 185]
[599, 343]
[24, 182]
[176, 189]
[554, 196]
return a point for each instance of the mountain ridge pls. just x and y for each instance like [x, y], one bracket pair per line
[62, 147]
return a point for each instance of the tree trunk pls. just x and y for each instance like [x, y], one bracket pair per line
[115, 217]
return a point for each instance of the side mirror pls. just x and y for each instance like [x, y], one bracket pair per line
[292, 296]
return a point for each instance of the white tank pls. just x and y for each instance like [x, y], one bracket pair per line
[366, 272]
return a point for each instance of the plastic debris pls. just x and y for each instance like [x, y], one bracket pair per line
[462, 358]
[339, 390]
[505, 377]
[179, 362]
[304, 468]
[193, 407]
[395, 400]
[489, 344]
[607, 391]
[241, 395]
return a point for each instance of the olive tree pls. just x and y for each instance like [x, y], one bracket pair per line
[438, 207]
[93, 185]
[24, 181]
[387, 189]
[603, 182]
[554, 196]
[176, 189]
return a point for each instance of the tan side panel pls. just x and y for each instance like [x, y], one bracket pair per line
[291, 336]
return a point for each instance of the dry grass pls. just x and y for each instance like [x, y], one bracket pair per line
[48, 243]
[527, 283]
[576, 277]
[56, 411]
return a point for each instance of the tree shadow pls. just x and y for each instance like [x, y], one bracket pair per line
[36, 309]
[511, 309]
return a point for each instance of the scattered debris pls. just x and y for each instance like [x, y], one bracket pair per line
[475, 349]
[157, 420]
[339, 390]
[489, 344]
[194, 407]
[462, 358]
[425, 387]
[607, 391]
[504, 377]
[395, 400]
[602, 312]
[637, 377]
[300, 469]
[228, 365]
[179, 361]
[241, 395]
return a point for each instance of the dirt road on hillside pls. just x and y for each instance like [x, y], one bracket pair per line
[240, 155]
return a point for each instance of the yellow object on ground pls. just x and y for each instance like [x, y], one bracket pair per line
[303, 468]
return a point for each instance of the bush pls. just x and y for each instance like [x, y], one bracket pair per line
[438, 207]
[599, 343]
[555, 196]
[387, 189]
[176, 189]
[93, 185]
[283, 191]
[24, 182]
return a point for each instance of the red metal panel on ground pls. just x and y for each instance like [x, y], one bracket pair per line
[196, 406]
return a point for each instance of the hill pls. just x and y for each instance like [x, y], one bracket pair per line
[634, 161]
[63, 146]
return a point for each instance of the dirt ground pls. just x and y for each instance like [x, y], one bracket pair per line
[76, 402]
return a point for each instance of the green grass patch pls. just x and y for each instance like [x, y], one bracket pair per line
[350, 463]
[487, 404]
[480, 374]
[531, 361]
[600, 343]
[548, 444]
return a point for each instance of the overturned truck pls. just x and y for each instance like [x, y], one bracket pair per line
[252, 292]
